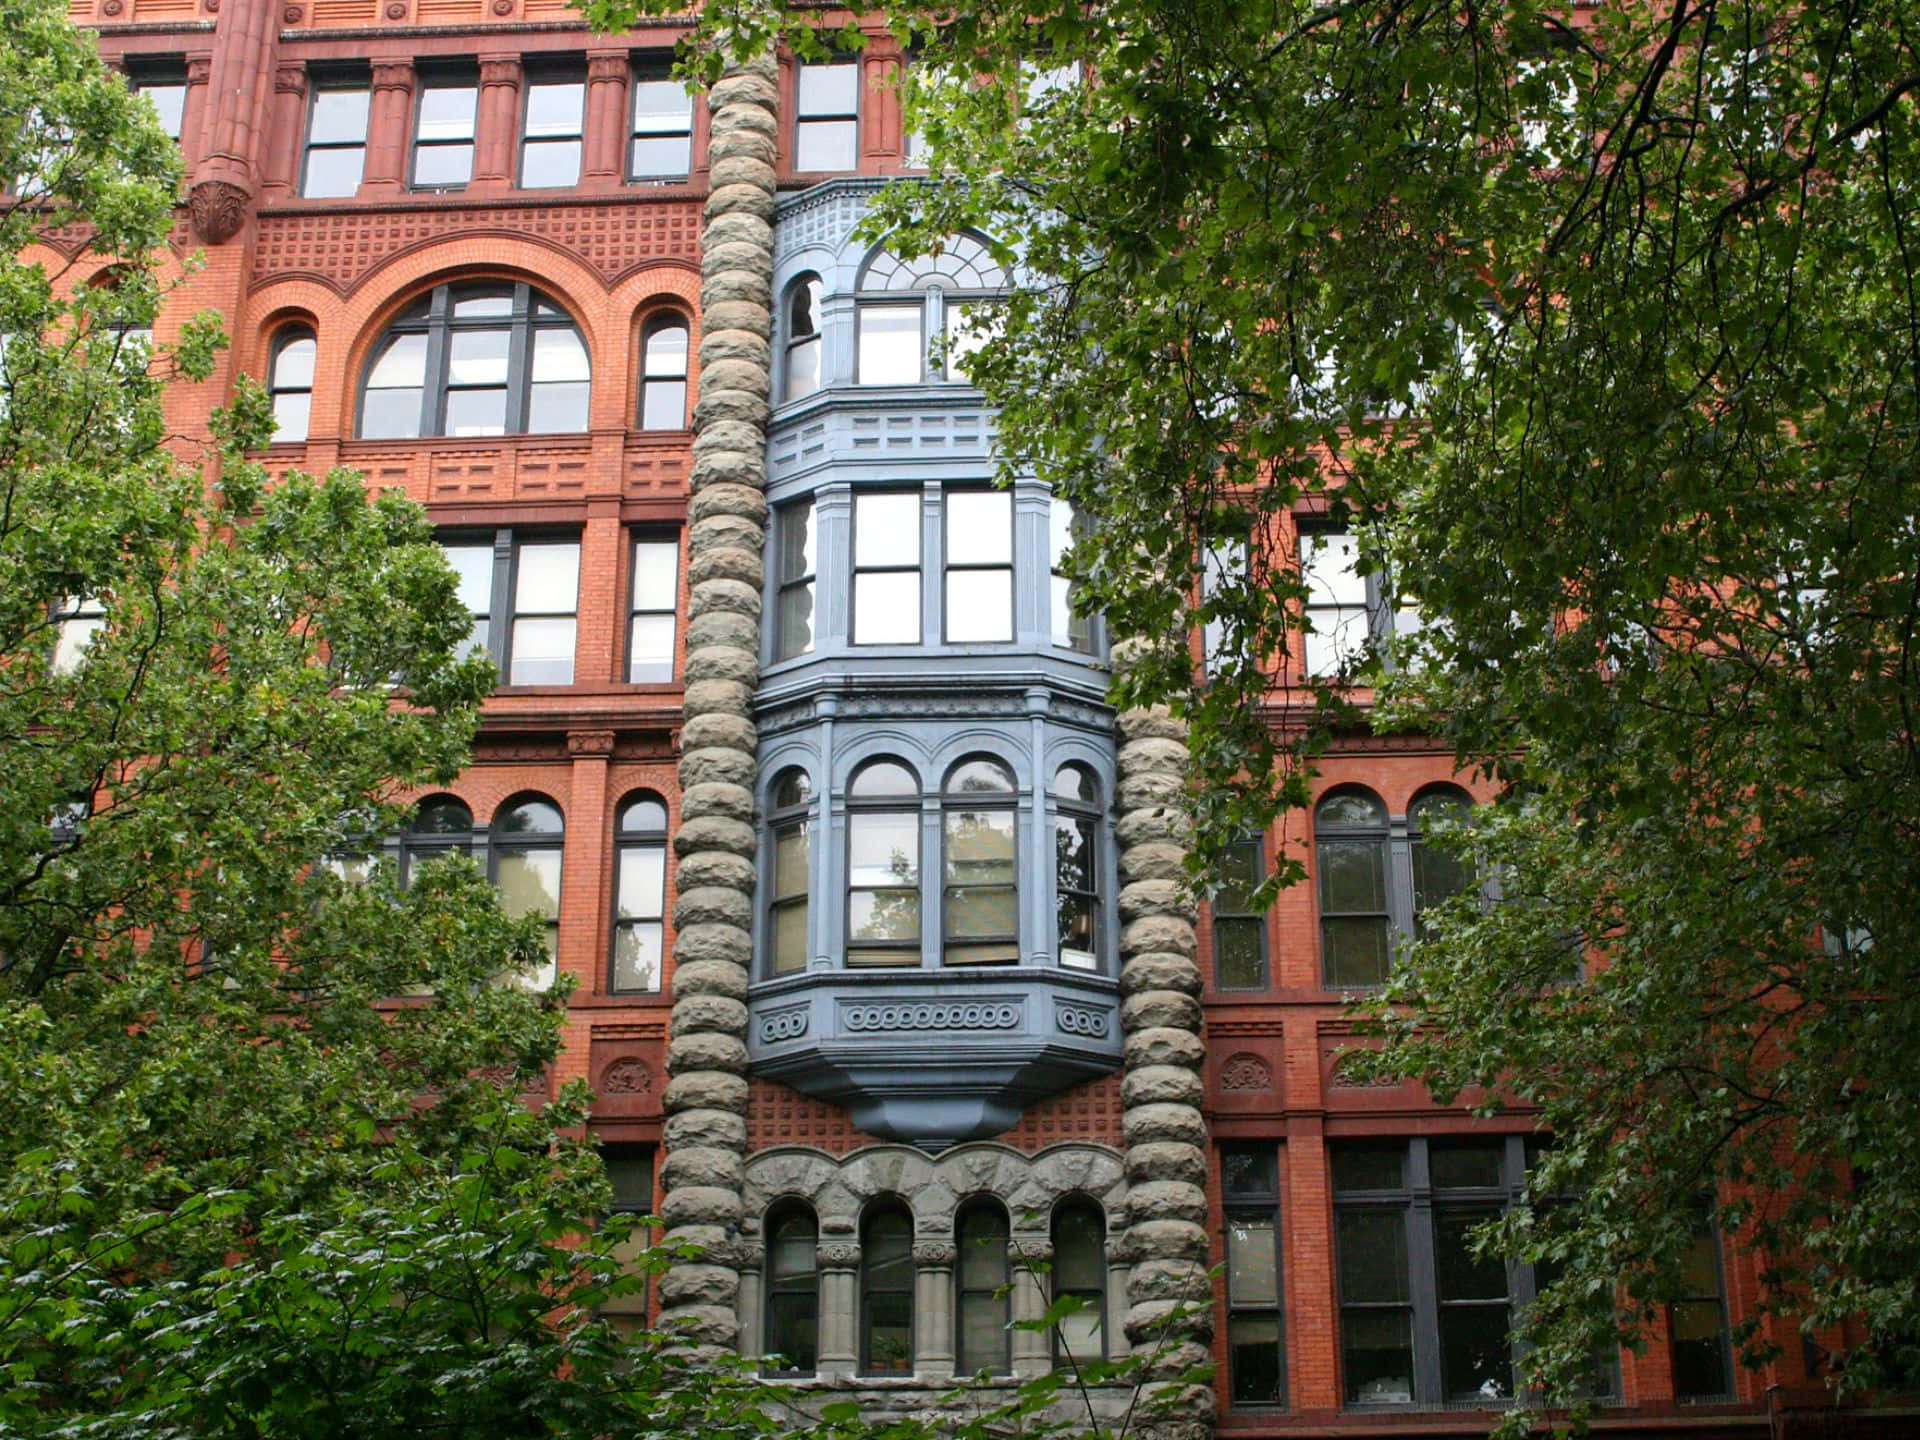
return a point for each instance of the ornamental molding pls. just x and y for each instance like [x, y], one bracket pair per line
[789, 1022]
[1092, 1021]
[938, 1253]
[590, 742]
[1245, 1072]
[628, 1075]
[838, 1255]
[888, 1016]
[219, 209]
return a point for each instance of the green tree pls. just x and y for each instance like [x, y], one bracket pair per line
[1603, 335]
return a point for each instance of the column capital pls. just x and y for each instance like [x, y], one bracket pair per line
[496, 70]
[838, 1255]
[582, 743]
[287, 79]
[604, 66]
[935, 1254]
[393, 75]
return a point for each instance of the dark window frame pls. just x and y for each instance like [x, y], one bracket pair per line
[994, 1294]
[1079, 633]
[1089, 818]
[912, 805]
[453, 77]
[1706, 1234]
[284, 338]
[1379, 838]
[1251, 1185]
[805, 1286]
[803, 117]
[653, 71]
[1094, 1298]
[891, 1207]
[504, 844]
[147, 73]
[996, 802]
[508, 544]
[649, 384]
[792, 340]
[1227, 906]
[323, 83]
[552, 73]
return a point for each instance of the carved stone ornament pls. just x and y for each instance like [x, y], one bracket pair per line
[111, 7]
[293, 14]
[397, 10]
[838, 1255]
[219, 209]
[503, 7]
[628, 1075]
[590, 742]
[934, 1252]
[1246, 1072]
[212, 7]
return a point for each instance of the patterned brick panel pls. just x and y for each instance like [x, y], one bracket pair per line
[777, 1115]
[1086, 1112]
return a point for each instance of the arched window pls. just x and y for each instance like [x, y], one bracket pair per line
[1076, 867]
[1439, 873]
[527, 836]
[883, 865]
[1080, 1272]
[663, 374]
[980, 1288]
[802, 315]
[479, 357]
[440, 826]
[640, 896]
[793, 1291]
[290, 383]
[886, 1290]
[1350, 854]
[980, 914]
[904, 308]
[790, 803]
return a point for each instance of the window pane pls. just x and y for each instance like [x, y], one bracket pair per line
[473, 564]
[446, 112]
[979, 527]
[661, 157]
[803, 368]
[656, 574]
[883, 915]
[529, 882]
[1079, 1248]
[890, 349]
[442, 165]
[1352, 808]
[293, 364]
[667, 351]
[1327, 564]
[968, 325]
[886, 608]
[482, 302]
[559, 355]
[1250, 1172]
[790, 939]
[637, 950]
[477, 412]
[477, 357]
[983, 1334]
[643, 882]
[1254, 1343]
[982, 1251]
[1083, 1335]
[542, 653]
[390, 414]
[664, 405]
[550, 164]
[1465, 1167]
[1476, 1362]
[792, 850]
[980, 847]
[979, 606]
[548, 579]
[1373, 1256]
[292, 411]
[980, 911]
[826, 145]
[889, 1333]
[332, 174]
[1253, 1274]
[796, 541]
[338, 115]
[1355, 951]
[1459, 1274]
[1376, 1352]
[883, 849]
[555, 108]
[1352, 875]
[828, 89]
[1369, 1168]
[1438, 875]
[170, 101]
[884, 777]
[795, 622]
[1700, 1270]
[557, 409]
[1238, 963]
[792, 1325]
[1699, 1355]
[650, 654]
[887, 531]
[1072, 853]
[661, 107]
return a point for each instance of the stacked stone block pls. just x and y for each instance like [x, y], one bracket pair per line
[706, 1098]
[1169, 1315]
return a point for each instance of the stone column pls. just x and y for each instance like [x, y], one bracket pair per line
[933, 1309]
[496, 124]
[603, 164]
[1032, 1349]
[1164, 1127]
[289, 129]
[839, 1308]
[750, 1257]
[387, 128]
[239, 82]
[706, 1098]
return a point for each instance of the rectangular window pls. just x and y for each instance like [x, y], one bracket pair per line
[551, 134]
[630, 1173]
[336, 149]
[826, 127]
[883, 887]
[443, 130]
[979, 593]
[1076, 890]
[165, 84]
[662, 140]
[1424, 1319]
[1239, 930]
[793, 606]
[639, 921]
[1697, 1322]
[886, 568]
[656, 603]
[1064, 530]
[979, 905]
[889, 348]
[1336, 607]
[1256, 1328]
[524, 597]
[1224, 560]
[76, 622]
[792, 861]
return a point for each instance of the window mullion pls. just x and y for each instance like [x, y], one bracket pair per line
[1429, 1386]
[500, 620]
[519, 364]
[433, 396]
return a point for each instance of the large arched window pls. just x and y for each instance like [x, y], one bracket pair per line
[480, 357]
[905, 307]
[980, 913]
[980, 1288]
[1439, 873]
[791, 822]
[1076, 867]
[440, 826]
[527, 836]
[801, 315]
[886, 1290]
[1080, 1273]
[641, 895]
[663, 374]
[290, 383]
[1350, 854]
[883, 865]
[793, 1290]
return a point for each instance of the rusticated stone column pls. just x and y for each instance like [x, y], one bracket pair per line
[1162, 1091]
[706, 1099]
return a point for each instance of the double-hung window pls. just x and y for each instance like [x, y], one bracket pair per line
[1347, 613]
[165, 84]
[443, 130]
[883, 865]
[979, 580]
[663, 374]
[826, 126]
[77, 621]
[1378, 879]
[526, 840]
[979, 902]
[790, 819]
[336, 148]
[641, 896]
[1064, 530]
[1080, 1273]
[904, 308]
[793, 1290]
[553, 129]
[661, 148]
[1697, 1322]
[802, 316]
[981, 1282]
[656, 597]
[886, 1290]
[793, 604]
[886, 567]
[290, 383]
[1256, 1312]
[524, 594]
[1076, 867]
[1239, 930]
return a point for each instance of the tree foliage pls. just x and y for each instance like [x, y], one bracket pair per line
[1600, 326]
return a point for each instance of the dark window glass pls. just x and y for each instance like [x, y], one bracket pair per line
[979, 580]
[1369, 1167]
[793, 1292]
[886, 1291]
[336, 149]
[1080, 1272]
[1076, 867]
[1439, 873]
[1476, 1361]
[793, 615]
[886, 568]
[639, 914]
[1350, 856]
[1256, 1331]
[662, 145]
[826, 127]
[1239, 930]
[1697, 1320]
[663, 375]
[551, 132]
[630, 1173]
[443, 129]
[439, 826]
[656, 602]
[290, 383]
[980, 1284]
